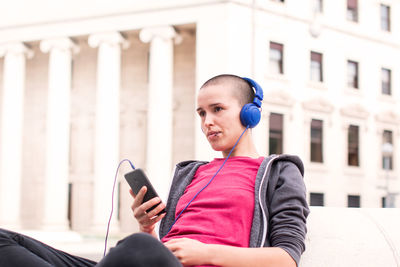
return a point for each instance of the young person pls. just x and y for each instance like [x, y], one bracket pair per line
[252, 214]
[238, 210]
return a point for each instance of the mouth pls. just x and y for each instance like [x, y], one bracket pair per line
[213, 134]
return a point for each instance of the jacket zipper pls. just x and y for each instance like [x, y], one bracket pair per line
[265, 223]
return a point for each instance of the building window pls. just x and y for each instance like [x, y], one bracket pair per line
[316, 67]
[352, 74]
[387, 160]
[353, 146]
[275, 133]
[317, 6]
[316, 199]
[352, 10]
[353, 201]
[385, 18]
[276, 58]
[383, 202]
[316, 141]
[386, 81]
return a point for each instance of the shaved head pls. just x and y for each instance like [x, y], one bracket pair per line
[241, 90]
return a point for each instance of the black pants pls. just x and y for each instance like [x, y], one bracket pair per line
[137, 250]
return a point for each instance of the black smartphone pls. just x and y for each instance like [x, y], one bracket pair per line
[136, 180]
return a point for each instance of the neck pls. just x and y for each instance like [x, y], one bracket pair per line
[245, 148]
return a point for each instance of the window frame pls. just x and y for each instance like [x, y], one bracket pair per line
[320, 143]
[353, 81]
[352, 10]
[386, 86]
[317, 59]
[353, 201]
[385, 20]
[317, 197]
[354, 146]
[276, 131]
[387, 137]
[275, 46]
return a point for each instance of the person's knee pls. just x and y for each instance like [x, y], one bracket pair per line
[5, 232]
[138, 240]
[139, 250]
[6, 237]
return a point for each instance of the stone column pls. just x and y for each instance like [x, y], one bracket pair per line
[159, 110]
[11, 133]
[58, 132]
[107, 123]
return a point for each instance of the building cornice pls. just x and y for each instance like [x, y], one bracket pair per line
[355, 111]
[279, 97]
[319, 105]
[388, 116]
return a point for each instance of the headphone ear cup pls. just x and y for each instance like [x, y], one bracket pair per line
[250, 115]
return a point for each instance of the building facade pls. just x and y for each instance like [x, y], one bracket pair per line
[85, 85]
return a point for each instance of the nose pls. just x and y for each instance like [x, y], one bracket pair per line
[208, 120]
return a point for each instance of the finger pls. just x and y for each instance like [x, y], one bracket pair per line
[152, 202]
[174, 246]
[148, 223]
[157, 210]
[131, 192]
[154, 219]
[159, 218]
[139, 197]
[170, 245]
[140, 212]
[173, 242]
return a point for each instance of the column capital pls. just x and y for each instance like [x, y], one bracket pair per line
[111, 38]
[63, 43]
[164, 32]
[15, 48]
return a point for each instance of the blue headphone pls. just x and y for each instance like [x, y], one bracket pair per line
[250, 114]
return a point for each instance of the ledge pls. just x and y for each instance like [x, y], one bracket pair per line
[352, 237]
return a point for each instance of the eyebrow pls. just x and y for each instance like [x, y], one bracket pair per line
[211, 105]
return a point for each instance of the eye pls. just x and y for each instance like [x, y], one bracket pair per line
[217, 109]
[202, 113]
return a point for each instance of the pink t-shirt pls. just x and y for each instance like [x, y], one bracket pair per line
[223, 212]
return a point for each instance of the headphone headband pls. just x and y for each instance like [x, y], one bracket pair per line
[258, 92]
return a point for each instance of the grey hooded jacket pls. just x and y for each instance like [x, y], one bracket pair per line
[280, 209]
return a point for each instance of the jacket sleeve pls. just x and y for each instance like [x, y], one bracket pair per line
[288, 210]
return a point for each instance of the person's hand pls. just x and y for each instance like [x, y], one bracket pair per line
[146, 220]
[188, 251]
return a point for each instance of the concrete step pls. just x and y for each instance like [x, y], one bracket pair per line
[83, 245]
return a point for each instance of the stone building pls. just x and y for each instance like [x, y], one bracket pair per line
[85, 84]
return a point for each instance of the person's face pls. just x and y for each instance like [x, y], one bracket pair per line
[219, 111]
